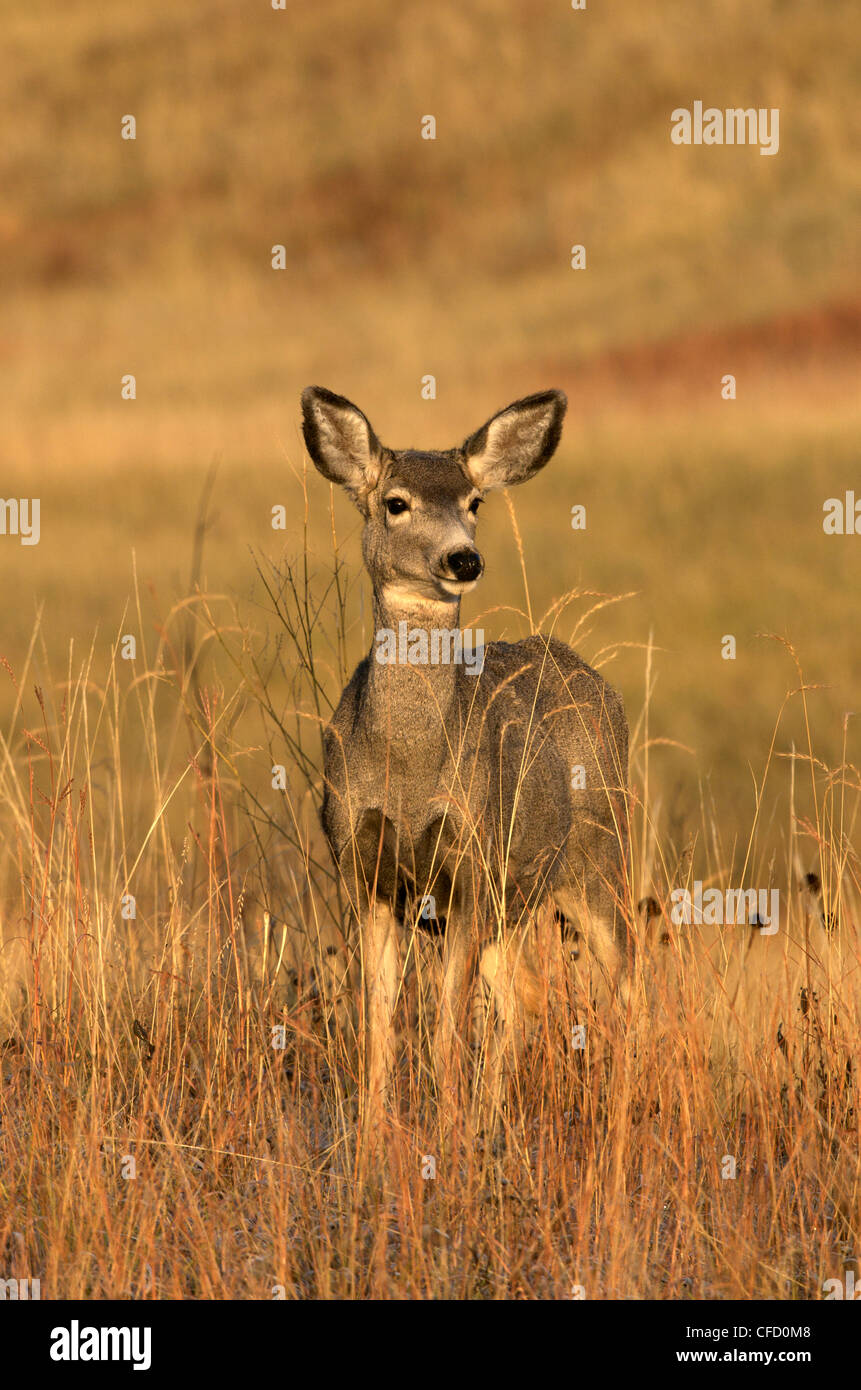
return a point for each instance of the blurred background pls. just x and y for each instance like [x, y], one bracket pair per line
[408, 257]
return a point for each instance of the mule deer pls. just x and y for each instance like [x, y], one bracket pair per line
[493, 791]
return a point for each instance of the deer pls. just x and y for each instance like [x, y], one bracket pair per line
[485, 787]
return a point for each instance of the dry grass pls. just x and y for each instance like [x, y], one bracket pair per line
[151, 1038]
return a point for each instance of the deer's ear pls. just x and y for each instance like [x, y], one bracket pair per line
[517, 441]
[340, 441]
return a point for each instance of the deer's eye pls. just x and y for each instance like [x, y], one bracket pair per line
[474, 505]
[395, 505]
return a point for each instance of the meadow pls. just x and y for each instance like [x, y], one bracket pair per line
[144, 784]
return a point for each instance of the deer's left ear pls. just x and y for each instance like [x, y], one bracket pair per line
[517, 441]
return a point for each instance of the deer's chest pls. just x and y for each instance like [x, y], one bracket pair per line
[410, 782]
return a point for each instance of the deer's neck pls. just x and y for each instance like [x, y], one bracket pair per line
[416, 663]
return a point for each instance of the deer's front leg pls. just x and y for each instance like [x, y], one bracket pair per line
[457, 952]
[381, 973]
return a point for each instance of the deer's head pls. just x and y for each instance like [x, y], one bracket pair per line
[420, 508]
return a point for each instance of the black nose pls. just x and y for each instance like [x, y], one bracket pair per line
[464, 564]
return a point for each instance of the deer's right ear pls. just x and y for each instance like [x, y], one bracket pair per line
[340, 441]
